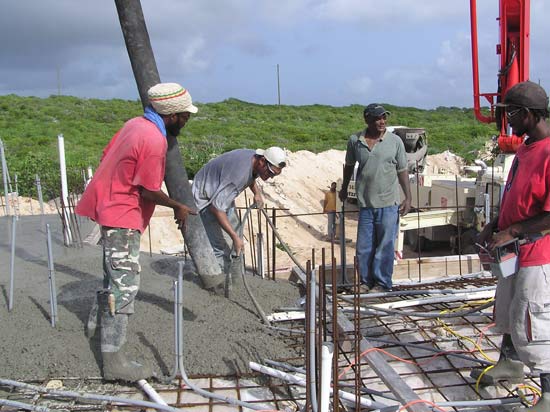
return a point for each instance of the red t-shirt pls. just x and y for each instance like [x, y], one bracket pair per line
[527, 194]
[135, 157]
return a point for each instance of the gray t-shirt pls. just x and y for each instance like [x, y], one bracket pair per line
[376, 184]
[221, 180]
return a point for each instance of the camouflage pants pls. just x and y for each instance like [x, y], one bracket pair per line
[121, 265]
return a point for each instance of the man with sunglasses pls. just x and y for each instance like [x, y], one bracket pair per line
[522, 306]
[216, 186]
[382, 170]
[121, 198]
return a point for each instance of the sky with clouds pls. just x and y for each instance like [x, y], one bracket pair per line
[333, 52]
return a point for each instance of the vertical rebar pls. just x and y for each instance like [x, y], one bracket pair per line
[343, 244]
[273, 245]
[260, 254]
[251, 237]
[322, 297]
[459, 232]
[268, 260]
[357, 334]
[312, 341]
[307, 337]
[12, 261]
[51, 277]
[320, 326]
[335, 396]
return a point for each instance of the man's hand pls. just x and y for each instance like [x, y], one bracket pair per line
[405, 207]
[343, 194]
[500, 238]
[238, 245]
[181, 213]
[259, 200]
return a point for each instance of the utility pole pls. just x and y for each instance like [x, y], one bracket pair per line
[278, 86]
[141, 55]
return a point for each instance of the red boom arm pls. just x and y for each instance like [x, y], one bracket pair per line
[514, 63]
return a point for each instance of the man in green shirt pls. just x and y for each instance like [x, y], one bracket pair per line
[382, 170]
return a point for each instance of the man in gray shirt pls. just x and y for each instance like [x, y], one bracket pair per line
[382, 169]
[218, 183]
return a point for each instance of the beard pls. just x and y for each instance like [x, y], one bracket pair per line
[173, 130]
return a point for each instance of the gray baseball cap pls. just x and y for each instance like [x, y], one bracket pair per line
[375, 110]
[525, 94]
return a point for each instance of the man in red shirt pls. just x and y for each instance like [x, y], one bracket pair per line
[121, 198]
[522, 306]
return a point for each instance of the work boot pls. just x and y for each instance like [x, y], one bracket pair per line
[508, 368]
[116, 366]
[543, 404]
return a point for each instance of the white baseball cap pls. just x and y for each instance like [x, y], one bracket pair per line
[274, 155]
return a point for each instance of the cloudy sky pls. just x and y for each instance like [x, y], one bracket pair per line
[335, 52]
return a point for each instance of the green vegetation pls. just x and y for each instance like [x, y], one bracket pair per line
[29, 127]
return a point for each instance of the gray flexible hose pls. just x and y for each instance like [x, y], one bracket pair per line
[88, 396]
[245, 283]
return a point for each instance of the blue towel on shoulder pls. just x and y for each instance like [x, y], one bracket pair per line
[151, 115]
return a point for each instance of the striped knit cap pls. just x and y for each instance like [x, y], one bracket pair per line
[169, 98]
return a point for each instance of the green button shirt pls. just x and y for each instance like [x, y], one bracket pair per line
[376, 183]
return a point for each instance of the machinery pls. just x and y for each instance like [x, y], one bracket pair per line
[477, 200]
[456, 208]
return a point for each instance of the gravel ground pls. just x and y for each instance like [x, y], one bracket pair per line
[220, 335]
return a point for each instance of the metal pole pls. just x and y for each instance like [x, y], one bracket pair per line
[5, 178]
[51, 278]
[343, 244]
[12, 262]
[273, 244]
[260, 252]
[17, 205]
[39, 191]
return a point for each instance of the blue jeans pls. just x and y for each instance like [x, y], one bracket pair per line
[376, 233]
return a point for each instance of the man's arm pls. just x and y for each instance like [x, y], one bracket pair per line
[181, 211]
[223, 220]
[536, 224]
[403, 178]
[348, 172]
[258, 198]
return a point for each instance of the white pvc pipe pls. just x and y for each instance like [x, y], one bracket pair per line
[350, 397]
[327, 351]
[5, 178]
[64, 191]
[151, 393]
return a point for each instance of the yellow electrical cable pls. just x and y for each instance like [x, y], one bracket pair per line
[487, 369]
[452, 332]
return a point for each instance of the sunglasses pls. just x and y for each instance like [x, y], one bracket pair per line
[269, 169]
[513, 113]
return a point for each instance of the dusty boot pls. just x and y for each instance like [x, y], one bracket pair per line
[116, 366]
[543, 405]
[508, 368]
